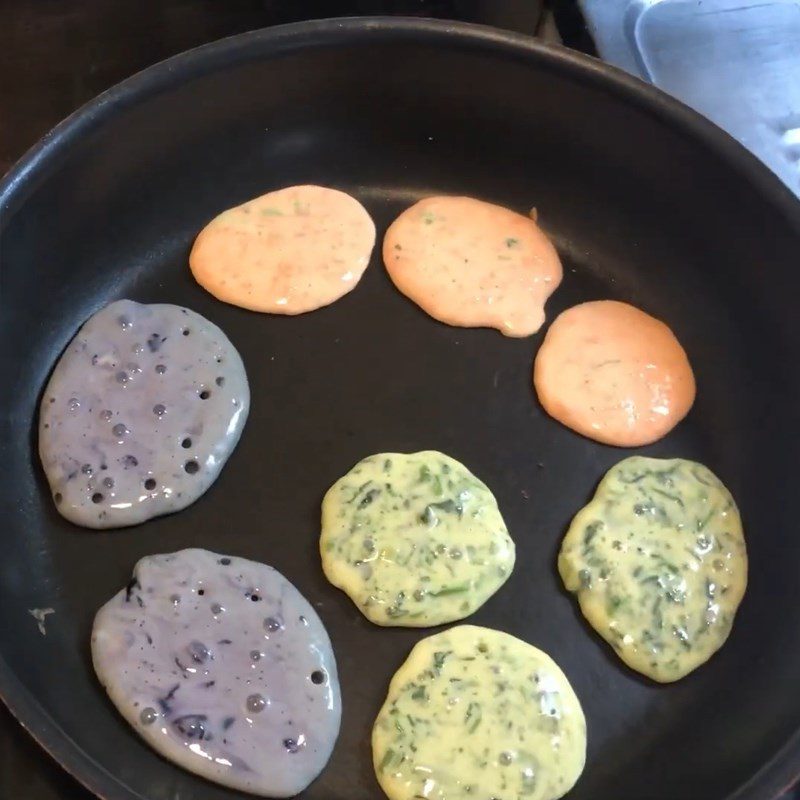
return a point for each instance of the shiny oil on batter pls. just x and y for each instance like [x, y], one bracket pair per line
[286, 252]
[473, 264]
[659, 565]
[613, 373]
[414, 539]
[476, 713]
[140, 415]
[222, 667]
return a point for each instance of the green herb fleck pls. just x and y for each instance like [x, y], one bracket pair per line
[439, 659]
[682, 636]
[473, 717]
[420, 694]
[457, 588]
[368, 498]
[590, 532]
[613, 603]
[663, 476]
[429, 517]
[635, 479]
[673, 497]
[658, 617]
[512, 242]
[699, 477]
[388, 759]
[301, 209]
[664, 563]
[701, 523]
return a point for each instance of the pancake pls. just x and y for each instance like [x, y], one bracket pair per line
[286, 252]
[474, 712]
[658, 562]
[473, 264]
[222, 667]
[613, 373]
[414, 539]
[141, 413]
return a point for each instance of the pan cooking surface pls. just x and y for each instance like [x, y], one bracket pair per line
[646, 203]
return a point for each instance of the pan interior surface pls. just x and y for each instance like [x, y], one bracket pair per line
[645, 203]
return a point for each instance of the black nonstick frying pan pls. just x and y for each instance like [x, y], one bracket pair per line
[646, 202]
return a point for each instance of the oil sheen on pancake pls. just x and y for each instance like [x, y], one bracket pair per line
[140, 415]
[222, 667]
[473, 264]
[286, 252]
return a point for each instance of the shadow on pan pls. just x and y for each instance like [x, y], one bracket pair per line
[646, 202]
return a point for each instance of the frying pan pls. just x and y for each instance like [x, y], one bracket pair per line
[646, 202]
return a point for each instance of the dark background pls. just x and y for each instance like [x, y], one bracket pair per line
[56, 55]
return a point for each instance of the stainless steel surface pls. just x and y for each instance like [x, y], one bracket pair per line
[737, 63]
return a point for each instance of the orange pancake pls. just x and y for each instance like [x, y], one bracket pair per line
[613, 373]
[286, 252]
[473, 264]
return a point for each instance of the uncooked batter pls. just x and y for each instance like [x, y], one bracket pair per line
[223, 667]
[658, 562]
[613, 373]
[286, 252]
[476, 713]
[473, 264]
[140, 415]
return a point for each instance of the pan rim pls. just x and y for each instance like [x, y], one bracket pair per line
[783, 769]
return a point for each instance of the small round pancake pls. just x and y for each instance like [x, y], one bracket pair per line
[286, 252]
[659, 564]
[613, 373]
[414, 539]
[140, 415]
[222, 667]
[473, 264]
[474, 712]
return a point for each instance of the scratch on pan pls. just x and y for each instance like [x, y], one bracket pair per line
[39, 614]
